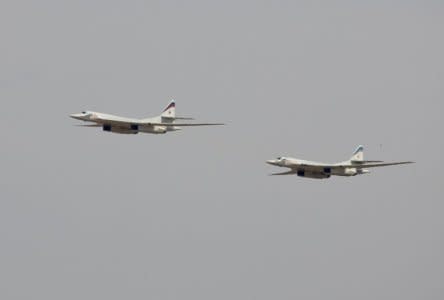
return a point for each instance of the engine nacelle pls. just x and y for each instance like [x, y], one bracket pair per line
[363, 171]
[327, 171]
[159, 129]
[310, 174]
[107, 127]
[350, 172]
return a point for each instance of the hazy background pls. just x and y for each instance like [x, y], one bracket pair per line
[86, 214]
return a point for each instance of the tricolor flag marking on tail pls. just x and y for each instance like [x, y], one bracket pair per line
[358, 155]
[171, 105]
[169, 111]
[360, 148]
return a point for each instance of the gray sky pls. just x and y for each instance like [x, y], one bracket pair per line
[192, 214]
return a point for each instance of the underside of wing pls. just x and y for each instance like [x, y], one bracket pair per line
[89, 125]
[292, 171]
[117, 126]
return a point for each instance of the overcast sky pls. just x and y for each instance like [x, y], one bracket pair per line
[85, 214]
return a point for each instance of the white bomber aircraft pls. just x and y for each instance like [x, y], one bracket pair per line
[356, 165]
[161, 124]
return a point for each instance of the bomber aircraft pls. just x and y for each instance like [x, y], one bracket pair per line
[163, 123]
[356, 165]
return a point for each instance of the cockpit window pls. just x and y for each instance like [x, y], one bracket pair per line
[83, 112]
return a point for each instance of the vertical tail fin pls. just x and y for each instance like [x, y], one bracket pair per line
[358, 155]
[170, 111]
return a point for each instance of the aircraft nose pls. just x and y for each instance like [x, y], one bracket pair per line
[76, 116]
[271, 161]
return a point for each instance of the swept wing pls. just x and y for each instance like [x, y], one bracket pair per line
[181, 124]
[373, 165]
[321, 167]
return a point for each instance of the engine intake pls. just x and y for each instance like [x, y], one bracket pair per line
[109, 128]
[134, 127]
